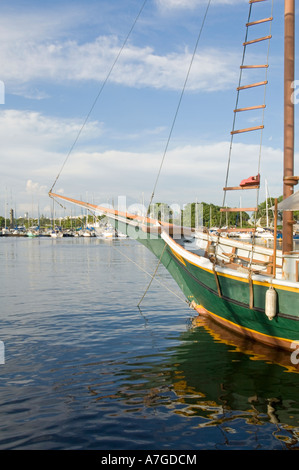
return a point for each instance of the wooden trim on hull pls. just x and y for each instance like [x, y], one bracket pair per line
[196, 277]
[229, 273]
[272, 341]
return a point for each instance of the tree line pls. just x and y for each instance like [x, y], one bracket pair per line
[192, 215]
[209, 215]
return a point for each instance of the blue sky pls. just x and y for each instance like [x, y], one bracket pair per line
[55, 58]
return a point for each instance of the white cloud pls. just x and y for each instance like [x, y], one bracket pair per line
[33, 148]
[35, 188]
[35, 51]
[137, 66]
[39, 49]
[191, 172]
[190, 4]
[188, 173]
[30, 130]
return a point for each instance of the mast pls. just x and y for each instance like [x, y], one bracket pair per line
[289, 76]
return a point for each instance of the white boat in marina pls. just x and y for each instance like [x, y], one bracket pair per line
[245, 235]
[56, 234]
[106, 232]
[251, 289]
[264, 233]
[121, 235]
[109, 232]
[88, 233]
[33, 232]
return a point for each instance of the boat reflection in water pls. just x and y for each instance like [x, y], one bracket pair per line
[224, 378]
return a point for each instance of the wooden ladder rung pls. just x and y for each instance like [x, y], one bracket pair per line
[234, 188]
[253, 41]
[252, 85]
[259, 66]
[264, 20]
[249, 108]
[239, 131]
[239, 209]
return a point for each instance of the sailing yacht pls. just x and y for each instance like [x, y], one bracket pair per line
[250, 289]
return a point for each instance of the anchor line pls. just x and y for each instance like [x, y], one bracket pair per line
[151, 275]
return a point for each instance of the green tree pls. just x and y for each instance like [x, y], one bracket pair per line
[161, 211]
[2, 221]
[210, 215]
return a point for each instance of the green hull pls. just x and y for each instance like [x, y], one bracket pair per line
[227, 298]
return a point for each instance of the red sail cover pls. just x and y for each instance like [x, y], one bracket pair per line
[252, 180]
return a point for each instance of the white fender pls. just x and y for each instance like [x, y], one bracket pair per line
[271, 303]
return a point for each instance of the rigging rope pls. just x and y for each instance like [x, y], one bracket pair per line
[253, 239]
[99, 93]
[153, 276]
[179, 104]
[234, 121]
[263, 113]
[235, 114]
[149, 274]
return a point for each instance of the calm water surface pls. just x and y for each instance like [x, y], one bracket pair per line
[85, 368]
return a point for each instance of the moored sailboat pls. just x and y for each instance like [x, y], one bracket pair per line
[250, 289]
